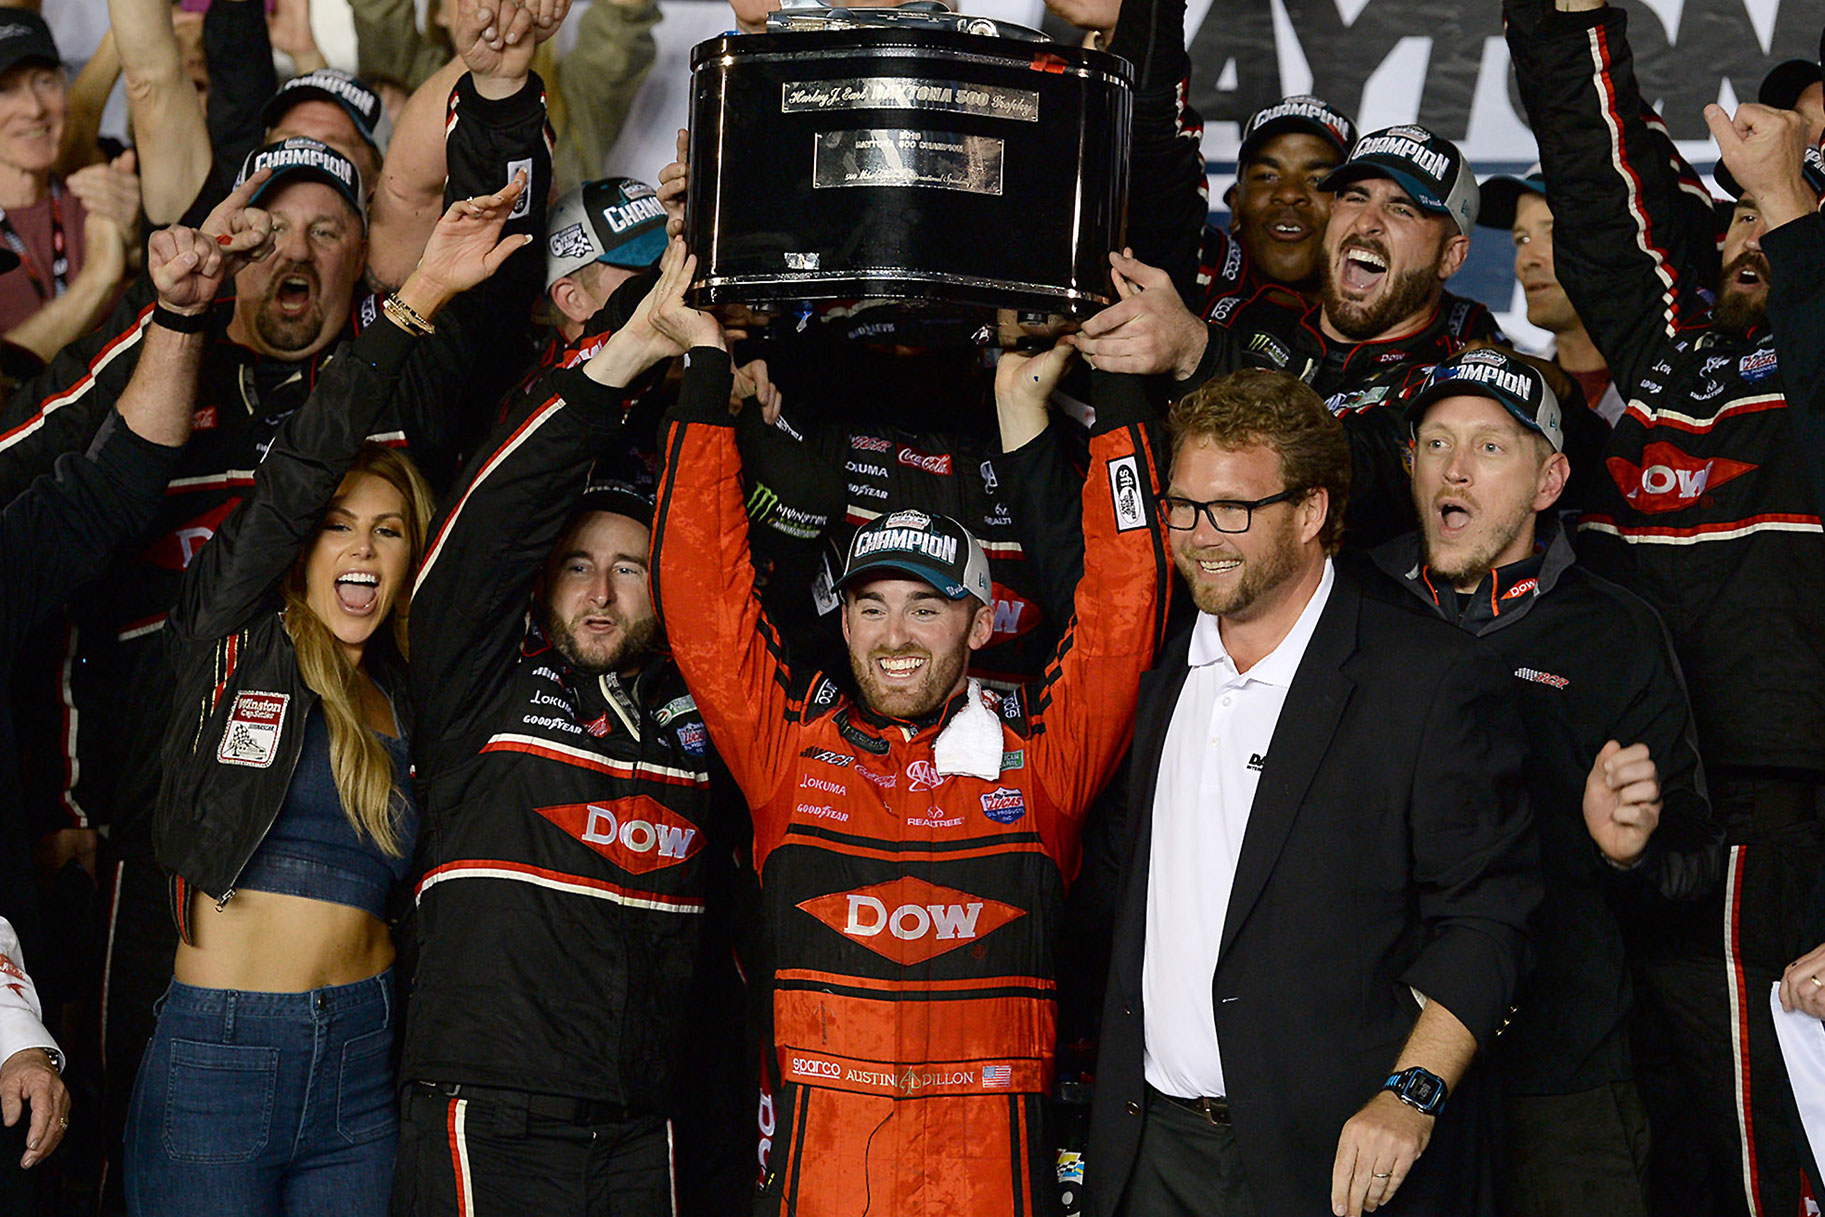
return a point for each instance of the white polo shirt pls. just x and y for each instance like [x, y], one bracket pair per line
[1215, 748]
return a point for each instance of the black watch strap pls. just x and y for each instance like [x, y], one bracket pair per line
[181, 323]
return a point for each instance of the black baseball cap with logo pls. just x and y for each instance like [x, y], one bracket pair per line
[1428, 167]
[25, 38]
[1501, 196]
[1301, 114]
[362, 104]
[298, 158]
[615, 220]
[934, 548]
[1514, 384]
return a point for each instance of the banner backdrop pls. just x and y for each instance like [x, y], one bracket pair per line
[1441, 63]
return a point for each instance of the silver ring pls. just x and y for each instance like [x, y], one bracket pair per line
[1381, 1174]
[1817, 983]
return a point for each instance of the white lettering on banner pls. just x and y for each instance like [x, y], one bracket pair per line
[640, 836]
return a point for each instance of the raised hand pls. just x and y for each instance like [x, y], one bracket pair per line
[110, 189]
[1023, 387]
[243, 233]
[496, 38]
[674, 181]
[187, 268]
[680, 324]
[465, 248]
[1149, 331]
[1764, 149]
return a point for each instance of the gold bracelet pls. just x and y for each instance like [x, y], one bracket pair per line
[406, 316]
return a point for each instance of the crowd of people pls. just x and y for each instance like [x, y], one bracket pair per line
[483, 736]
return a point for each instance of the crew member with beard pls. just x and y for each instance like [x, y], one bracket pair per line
[913, 841]
[1714, 521]
[1612, 773]
[570, 829]
[1328, 865]
[1401, 215]
[1272, 254]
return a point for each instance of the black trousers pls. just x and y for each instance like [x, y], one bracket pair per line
[1568, 1155]
[1710, 1068]
[1186, 1166]
[496, 1155]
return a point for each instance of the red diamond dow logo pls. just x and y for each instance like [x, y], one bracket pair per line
[640, 835]
[1668, 479]
[909, 920]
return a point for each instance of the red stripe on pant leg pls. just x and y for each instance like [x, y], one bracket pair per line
[1739, 1024]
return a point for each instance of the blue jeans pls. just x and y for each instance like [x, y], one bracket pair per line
[266, 1104]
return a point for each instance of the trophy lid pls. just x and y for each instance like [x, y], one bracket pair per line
[913, 14]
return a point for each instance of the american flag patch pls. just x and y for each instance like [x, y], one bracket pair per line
[998, 1077]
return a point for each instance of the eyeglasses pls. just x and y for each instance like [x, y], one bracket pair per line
[1225, 515]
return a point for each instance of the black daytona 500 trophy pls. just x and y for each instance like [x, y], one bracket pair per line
[906, 154]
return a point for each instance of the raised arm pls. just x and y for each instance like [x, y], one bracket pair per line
[68, 317]
[234, 574]
[1167, 204]
[163, 105]
[495, 40]
[1631, 250]
[599, 80]
[58, 534]
[702, 574]
[488, 544]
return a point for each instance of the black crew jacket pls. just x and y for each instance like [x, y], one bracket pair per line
[1711, 514]
[237, 722]
[572, 827]
[1591, 663]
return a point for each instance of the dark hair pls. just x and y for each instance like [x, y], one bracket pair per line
[1253, 407]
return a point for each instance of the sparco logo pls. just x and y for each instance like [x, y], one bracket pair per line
[640, 835]
[909, 920]
[914, 459]
[1668, 479]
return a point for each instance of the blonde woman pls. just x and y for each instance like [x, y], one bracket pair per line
[284, 816]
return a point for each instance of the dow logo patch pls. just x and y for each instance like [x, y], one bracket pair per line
[909, 920]
[640, 835]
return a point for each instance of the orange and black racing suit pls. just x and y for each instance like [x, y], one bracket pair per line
[914, 914]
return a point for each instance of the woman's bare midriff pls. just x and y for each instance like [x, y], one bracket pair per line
[267, 943]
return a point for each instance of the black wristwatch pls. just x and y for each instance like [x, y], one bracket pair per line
[1422, 1091]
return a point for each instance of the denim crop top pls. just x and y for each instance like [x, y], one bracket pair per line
[312, 850]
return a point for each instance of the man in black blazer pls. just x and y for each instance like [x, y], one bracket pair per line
[1328, 856]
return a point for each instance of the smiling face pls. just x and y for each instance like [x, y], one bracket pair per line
[1479, 477]
[1742, 288]
[1242, 575]
[360, 563]
[909, 646]
[1547, 304]
[297, 301]
[1280, 213]
[31, 116]
[595, 599]
[1386, 260]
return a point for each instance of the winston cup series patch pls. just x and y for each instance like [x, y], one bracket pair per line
[252, 735]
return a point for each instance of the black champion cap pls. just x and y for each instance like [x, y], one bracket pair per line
[934, 548]
[362, 104]
[1429, 167]
[25, 38]
[1303, 114]
[297, 158]
[1513, 383]
[1501, 195]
